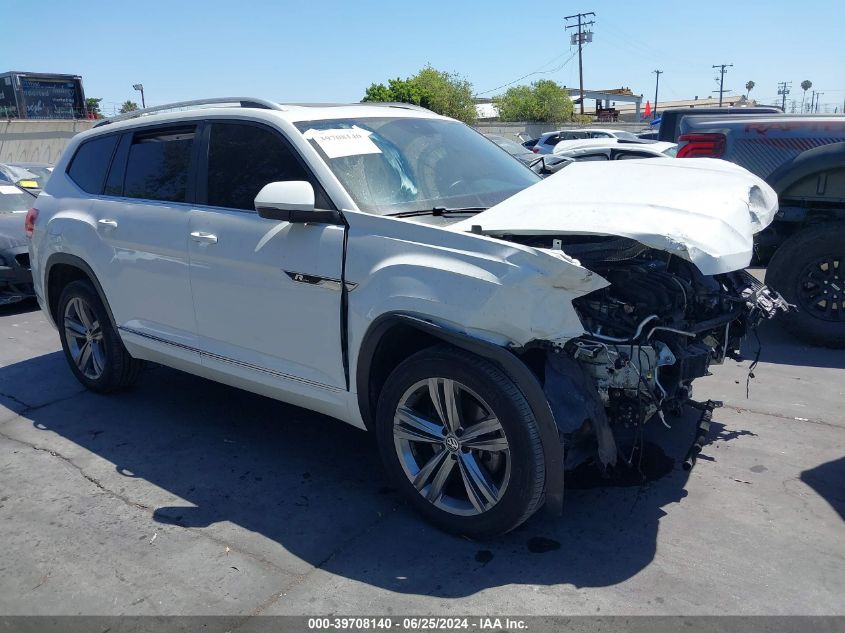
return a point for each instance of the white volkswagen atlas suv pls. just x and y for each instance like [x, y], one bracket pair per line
[396, 270]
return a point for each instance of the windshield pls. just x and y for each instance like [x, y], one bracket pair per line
[42, 174]
[512, 148]
[393, 165]
[13, 200]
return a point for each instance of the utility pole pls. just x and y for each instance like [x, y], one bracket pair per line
[656, 85]
[818, 100]
[783, 89]
[812, 101]
[580, 43]
[722, 72]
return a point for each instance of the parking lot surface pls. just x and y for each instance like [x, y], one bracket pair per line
[184, 496]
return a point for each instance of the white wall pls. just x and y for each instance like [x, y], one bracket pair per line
[37, 141]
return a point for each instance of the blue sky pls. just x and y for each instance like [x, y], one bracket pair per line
[329, 50]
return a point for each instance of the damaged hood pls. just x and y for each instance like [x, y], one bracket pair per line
[703, 210]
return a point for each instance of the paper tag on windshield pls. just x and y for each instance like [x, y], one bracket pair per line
[343, 142]
[8, 189]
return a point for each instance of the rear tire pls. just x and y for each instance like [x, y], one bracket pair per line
[809, 271]
[475, 468]
[92, 347]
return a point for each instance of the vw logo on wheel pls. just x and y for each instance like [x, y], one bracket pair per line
[452, 444]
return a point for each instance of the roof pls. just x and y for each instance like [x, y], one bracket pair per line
[238, 106]
[600, 143]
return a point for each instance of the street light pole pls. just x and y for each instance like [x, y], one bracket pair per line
[140, 87]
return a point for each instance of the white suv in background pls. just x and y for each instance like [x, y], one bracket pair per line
[396, 270]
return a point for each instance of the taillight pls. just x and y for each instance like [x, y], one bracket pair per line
[712, 145]
[535, 149]
[29, 221]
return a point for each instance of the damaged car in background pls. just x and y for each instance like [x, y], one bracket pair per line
[15, 277]
[492, 328]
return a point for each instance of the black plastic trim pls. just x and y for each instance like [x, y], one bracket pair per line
[77, 262]
[506, 360]
[820, 159]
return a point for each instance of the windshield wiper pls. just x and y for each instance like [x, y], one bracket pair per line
[437, 211]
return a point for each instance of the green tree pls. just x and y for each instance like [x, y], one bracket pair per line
[543, 101]
[92, 104]
[517, 104]
[805, 86]
[378, 92]
[445, 93]
[128, 106]
[749, 86]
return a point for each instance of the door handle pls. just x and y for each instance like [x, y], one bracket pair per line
[107, 224]
[204, 238]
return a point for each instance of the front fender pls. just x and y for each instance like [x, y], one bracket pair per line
[501, 292]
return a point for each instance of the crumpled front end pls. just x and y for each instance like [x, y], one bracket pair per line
[655, 329]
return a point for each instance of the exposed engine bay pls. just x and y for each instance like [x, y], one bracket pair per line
[658, 326]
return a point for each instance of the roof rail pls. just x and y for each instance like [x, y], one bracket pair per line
[242, 102]
[397, 104]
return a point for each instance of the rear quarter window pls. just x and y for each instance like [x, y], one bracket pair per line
[91, 162]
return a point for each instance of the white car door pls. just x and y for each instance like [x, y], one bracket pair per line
[142, 219]
[266, 293]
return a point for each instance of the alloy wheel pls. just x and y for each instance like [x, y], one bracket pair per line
[822, 289]
[451, 446]
[84, 338]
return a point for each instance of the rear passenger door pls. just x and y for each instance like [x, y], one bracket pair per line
[254, 319]
[142, 217]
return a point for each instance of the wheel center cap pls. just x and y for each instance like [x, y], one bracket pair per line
[452, 443]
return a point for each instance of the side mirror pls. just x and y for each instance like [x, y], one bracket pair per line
[292, 201]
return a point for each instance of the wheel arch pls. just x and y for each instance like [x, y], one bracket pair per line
[393, 337]
[813, 161]
[60, 270]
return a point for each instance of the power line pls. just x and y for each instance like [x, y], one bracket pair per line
[536, 72]
[582, 37]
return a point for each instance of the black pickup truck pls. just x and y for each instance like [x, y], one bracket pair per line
[802, 157]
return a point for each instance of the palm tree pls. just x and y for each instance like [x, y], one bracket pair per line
[805, 86]
[128, 106]
[749, 86]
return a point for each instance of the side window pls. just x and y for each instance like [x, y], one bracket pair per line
[91, 162]
[554, 139]
[117, 172]
[158, 163]
[244, 158]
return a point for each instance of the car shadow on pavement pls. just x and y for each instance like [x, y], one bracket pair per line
[780, 347]
[828, 480]
[21, 307]
[292, 486]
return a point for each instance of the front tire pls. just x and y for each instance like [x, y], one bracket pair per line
[460, 441]
[809, 271]
[92, 347]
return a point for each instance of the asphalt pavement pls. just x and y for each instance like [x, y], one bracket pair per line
[184, 496]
